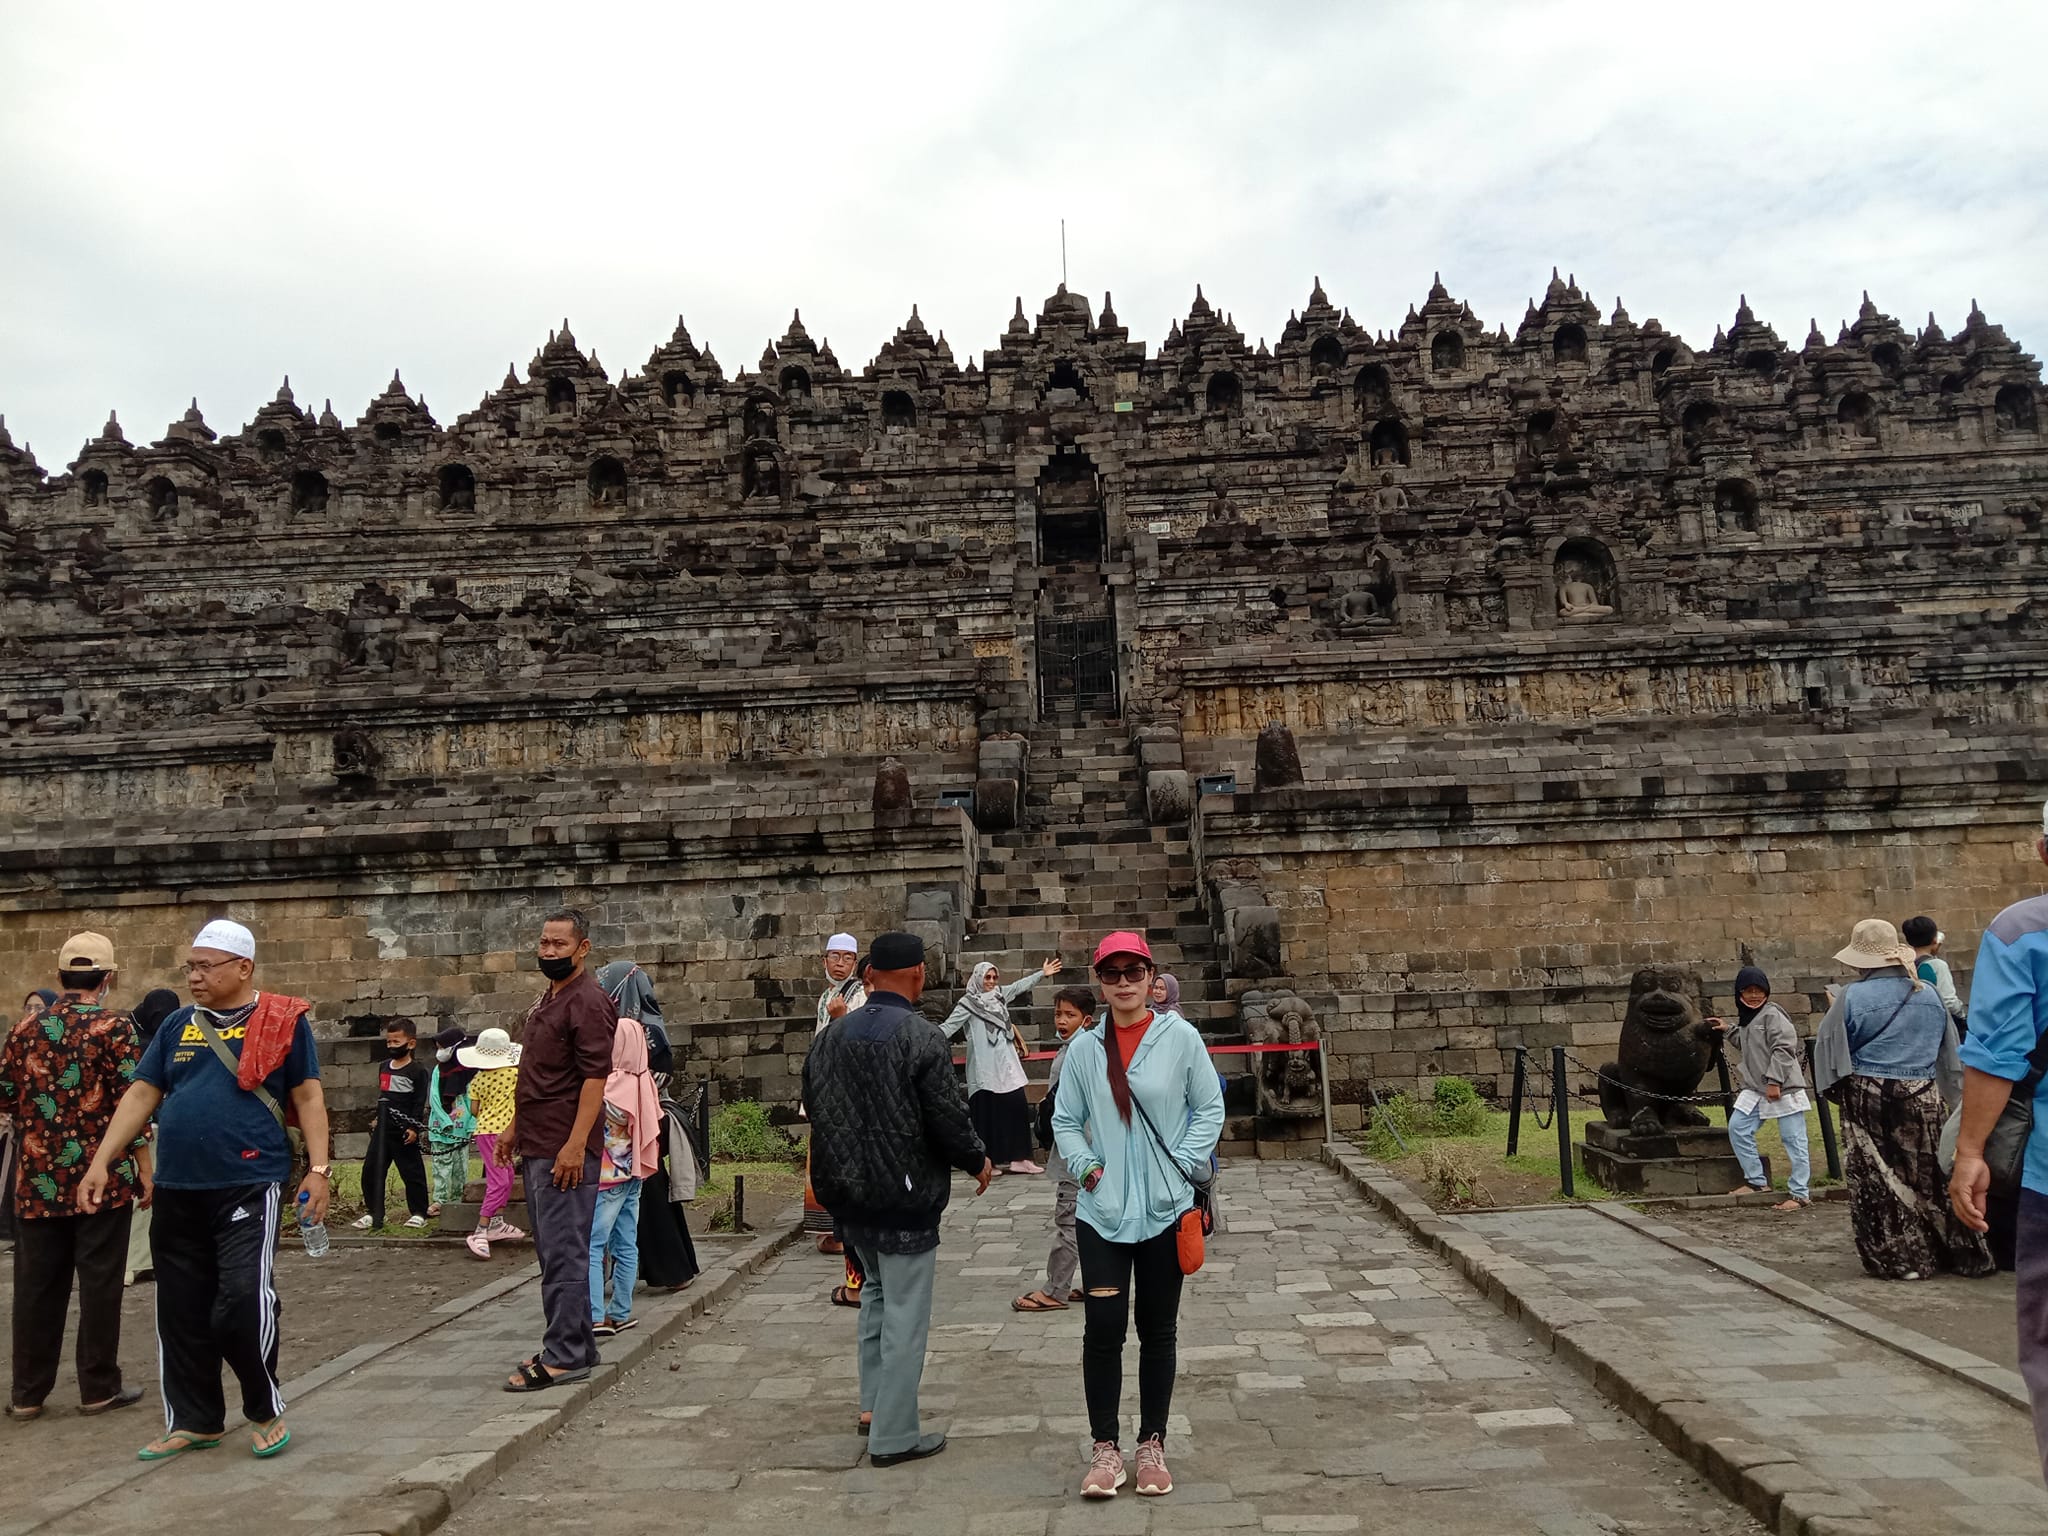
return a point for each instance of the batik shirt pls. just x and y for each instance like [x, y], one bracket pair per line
[61, 1075]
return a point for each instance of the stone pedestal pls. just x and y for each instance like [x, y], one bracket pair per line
[1694, 1161]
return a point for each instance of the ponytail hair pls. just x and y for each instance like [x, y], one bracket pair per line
[1119, 1079]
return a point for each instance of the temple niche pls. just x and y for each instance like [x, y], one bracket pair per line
[1070, 514]
[1583, 576]
[455, 488]
[761, 476]
[1735, 506]
[1369, 605]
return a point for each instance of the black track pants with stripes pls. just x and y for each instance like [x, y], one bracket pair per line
[216, 1302]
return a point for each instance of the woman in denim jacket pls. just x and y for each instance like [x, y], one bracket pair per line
[1900, 1050]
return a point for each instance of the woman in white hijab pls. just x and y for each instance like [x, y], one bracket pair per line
[995, 1069]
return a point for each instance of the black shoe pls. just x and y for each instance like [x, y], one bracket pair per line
[127, 1397]
[930, 1445]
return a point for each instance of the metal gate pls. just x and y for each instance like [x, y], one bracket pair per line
[1076, 667]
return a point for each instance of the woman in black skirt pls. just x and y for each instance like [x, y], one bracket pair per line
[668, 1258]
[995, 1070]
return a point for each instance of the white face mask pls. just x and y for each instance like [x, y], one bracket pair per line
[444, 1054]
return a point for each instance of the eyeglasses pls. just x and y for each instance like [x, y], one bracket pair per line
[1112, 974]
[207, 967]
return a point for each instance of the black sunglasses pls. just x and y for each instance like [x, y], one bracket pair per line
[1116, 973]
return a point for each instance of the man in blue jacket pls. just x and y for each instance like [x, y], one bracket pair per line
[2008, 1020]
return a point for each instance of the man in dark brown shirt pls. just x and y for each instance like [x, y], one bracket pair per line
[566, 1055]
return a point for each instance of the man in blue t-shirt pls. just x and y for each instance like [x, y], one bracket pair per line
[221, 1159]
[2008, 1020]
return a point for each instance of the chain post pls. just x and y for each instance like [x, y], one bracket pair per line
[1515, 1098]
[1561, 1111]
[1727, 1088]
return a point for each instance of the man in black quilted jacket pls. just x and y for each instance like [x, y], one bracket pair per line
[888, 1125]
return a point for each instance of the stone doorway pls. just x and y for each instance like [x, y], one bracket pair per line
[1076, 667]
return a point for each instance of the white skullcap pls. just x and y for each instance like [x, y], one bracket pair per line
[2044, 816]
[842, 944]
[229, 938]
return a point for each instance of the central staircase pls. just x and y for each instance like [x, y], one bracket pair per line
[1084, 862]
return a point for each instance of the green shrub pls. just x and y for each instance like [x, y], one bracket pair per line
[741, 1133]
[1457, 1109]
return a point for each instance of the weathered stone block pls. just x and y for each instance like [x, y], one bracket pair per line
[1168, 796]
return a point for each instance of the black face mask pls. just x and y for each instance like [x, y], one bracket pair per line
[558, 967]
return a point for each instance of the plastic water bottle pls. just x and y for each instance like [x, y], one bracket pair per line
[312, 1233]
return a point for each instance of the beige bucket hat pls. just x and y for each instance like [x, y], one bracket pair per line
[1875, 944]
[493, 1048]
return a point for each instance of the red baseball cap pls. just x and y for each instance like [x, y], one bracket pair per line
[1122, 942]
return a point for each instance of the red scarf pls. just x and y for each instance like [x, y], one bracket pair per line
[267, 1037]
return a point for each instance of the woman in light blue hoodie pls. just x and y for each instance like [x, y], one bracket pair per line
[1138, 1079]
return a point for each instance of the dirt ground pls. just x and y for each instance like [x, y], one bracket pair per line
[1814, 1246]
[356, 1294]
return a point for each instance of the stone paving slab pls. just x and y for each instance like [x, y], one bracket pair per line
[388, 1442]
[1820, 1429]
[1336, 1376]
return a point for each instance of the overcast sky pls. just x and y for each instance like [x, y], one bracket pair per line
[201, 199]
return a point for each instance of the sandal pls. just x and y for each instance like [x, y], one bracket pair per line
[842, 1297]
[624, 1323]
[535, 1377]
[265, 1449]
[867, 1422]
[23, 1415]
[1038, 1301]
[176, 1443]
[1075, 1295]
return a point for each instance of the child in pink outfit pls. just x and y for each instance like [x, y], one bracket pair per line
[496, 1060]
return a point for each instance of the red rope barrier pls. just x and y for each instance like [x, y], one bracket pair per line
[1214, 1050]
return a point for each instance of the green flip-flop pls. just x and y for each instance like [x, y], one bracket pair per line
[265, 1452]
[191, 1441]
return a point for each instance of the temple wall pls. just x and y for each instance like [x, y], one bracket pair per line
[1434, 947]
[731, 937]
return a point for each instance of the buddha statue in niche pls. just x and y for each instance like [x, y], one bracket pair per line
[1578, 600]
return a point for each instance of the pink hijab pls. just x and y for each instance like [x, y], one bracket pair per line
[631, 1088]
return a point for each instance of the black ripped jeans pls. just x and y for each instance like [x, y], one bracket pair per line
[1151, 1270]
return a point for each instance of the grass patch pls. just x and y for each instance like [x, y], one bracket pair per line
[770, 1187]
[1472, 1168]
[742, 1133]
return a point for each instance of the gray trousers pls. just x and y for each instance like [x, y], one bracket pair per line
[561, 1241]
[1064, 1261]
[895, 1318]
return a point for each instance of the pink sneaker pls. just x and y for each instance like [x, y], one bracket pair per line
[479, 1244]
[1105, 1472]
[1153, 1478]
[502, 1231]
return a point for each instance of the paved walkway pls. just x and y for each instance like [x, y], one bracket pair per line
[409, 1406]
[1898, 1444]
[1335, 1378]
[1817, 1248]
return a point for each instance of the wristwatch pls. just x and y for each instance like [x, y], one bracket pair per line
[322, 1171]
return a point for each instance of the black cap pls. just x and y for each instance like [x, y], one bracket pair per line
[896, 952]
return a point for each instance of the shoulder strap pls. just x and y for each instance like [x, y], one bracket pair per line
[1892, 1016]
[228, 1060]
[1109, 1044]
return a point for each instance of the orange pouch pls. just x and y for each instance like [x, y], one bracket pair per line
[1188, 1240]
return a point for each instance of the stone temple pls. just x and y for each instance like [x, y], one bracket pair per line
[1574, 648]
